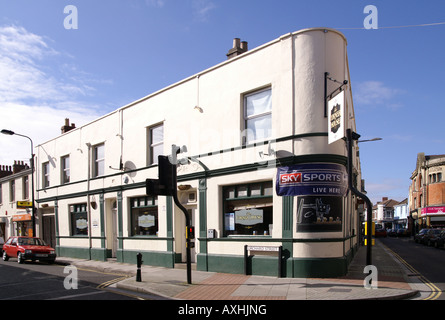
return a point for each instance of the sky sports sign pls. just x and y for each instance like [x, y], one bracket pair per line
[324, 179]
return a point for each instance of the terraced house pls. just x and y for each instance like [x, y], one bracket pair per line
[256, 131]
[427, 191]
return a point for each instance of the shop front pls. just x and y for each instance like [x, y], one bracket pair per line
[22, 224]
[433, 217]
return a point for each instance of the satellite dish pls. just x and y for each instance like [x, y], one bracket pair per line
[129, 168]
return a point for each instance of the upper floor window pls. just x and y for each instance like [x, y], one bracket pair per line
[156, 143]
[435, 177]
[258, 115]
[25, 187]
[12, 191]
[98, 160]
[65, 167]
[45, 175]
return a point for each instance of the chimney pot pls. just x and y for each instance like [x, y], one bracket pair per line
[238, 48]
[65, 128]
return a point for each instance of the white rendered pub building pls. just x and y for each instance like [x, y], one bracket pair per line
[256, 131]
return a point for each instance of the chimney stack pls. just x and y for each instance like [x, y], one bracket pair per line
[67, 127]
[238, 48]
[19, 166]
[5, 171]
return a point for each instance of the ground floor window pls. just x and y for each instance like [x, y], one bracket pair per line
[319, 213]
[248, 209]
[144, 216]
[79, 219]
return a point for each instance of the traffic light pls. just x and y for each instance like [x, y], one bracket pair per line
[152, 187]
[167, 174]
[166, 184]
[190, 232]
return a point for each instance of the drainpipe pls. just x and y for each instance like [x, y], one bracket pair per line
[88, 200]
[350, 136]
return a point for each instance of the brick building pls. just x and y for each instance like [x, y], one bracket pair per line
[427, 191]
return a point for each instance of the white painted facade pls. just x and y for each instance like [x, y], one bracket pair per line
[206, 112]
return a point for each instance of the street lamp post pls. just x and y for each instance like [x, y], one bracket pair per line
[33, 218]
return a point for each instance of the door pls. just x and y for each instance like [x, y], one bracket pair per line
[49, 230]
[111, 226]
[114, 233]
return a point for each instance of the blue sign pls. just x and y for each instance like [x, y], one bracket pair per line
[327, 179]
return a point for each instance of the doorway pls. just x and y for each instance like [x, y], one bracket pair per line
[49, 229]
[111, 227]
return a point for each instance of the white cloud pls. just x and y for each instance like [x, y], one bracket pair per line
[202, 8]
[376, 93]
[37, 94]
[155, 3]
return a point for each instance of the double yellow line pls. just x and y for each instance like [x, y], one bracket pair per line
[435, 291]
[110, 282]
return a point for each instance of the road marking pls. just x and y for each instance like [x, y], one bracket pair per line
[110, 282]
[77, 295]
[435, 291]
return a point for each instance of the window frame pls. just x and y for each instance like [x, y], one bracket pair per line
[98, 163]
[243, 192]
[141, 205]
[25, 189]
[45, 175]
[256, 116]
[151, 144]
[78, 210]
[12, 190]
[65, 172]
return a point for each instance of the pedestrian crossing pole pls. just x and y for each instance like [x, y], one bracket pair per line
[166, 185]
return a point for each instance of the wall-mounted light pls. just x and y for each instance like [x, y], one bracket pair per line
[199, 109]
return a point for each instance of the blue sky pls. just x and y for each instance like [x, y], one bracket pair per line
[123, 50]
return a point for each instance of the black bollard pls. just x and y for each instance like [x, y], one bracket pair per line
[139, 264]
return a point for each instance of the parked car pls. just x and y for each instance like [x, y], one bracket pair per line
[418, 238]
[28, 248]
[380, 233]
[402, 232]
[391, 232]
[440, 240]
[431, 236]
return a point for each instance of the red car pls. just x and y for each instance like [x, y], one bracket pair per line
[28, 248]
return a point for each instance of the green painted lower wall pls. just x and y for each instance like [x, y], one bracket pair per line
[97, 254]
[268, 266]
[256, 265]
[149, 258]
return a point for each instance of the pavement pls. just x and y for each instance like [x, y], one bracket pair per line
[395, 282]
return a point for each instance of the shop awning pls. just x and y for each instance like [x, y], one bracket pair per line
[21, 217]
